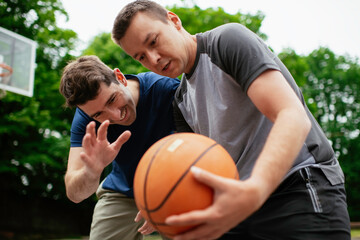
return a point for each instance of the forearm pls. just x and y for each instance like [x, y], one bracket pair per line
[283, 145]
[80, 184]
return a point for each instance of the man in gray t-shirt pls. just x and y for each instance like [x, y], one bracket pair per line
[236, 91]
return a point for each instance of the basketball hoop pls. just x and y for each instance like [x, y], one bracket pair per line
[17, 63]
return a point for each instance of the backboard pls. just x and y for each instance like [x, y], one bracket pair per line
[17, 63]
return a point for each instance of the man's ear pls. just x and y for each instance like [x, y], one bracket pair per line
[120, 77]
[174, 19]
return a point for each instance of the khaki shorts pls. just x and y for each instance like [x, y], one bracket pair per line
[113, 217]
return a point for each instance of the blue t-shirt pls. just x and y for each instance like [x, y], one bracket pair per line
[154, 121]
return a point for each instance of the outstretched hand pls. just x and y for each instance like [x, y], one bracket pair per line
[234, 201]
[98, 152]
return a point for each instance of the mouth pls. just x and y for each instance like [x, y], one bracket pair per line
[123, 113]
[166, 66]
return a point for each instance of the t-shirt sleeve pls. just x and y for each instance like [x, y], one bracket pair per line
[161, 83]
[180, 123]
[242, 54]
[162, 88]
[78, 128]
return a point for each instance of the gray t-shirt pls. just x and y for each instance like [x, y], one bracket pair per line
[213, 100]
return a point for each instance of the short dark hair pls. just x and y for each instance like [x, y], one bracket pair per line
[125, 16]
[80, 81]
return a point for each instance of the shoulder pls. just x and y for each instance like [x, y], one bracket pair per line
[237, 51]
[80, 117]
[228, 28]
[151, 77]
[228, 36]
[152, 81]
[78, 127]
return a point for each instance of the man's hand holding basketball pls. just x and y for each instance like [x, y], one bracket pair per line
[98, 152]
[234, 201]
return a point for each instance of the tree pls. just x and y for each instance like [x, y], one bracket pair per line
[34, 131]
[112, 55]
[196, 20]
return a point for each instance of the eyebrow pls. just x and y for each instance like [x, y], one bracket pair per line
[144, 42]
[106, 104]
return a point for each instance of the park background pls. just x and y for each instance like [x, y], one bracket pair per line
[35, 132]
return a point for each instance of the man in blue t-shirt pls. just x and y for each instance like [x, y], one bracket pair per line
[129, 113]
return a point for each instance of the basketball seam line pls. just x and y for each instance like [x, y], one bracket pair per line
[180, 179]
[146, 177]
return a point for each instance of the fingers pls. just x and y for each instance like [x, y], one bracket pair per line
[90, 129]
[138, 217]
[190, 218]
[123, 138]
[102, 131]
[87, 142]
[208, 178]
[85, 158]
[197, 216]
[146, 228]
[202, 231]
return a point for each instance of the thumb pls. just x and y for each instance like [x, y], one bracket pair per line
[123, 138]
[212, 180]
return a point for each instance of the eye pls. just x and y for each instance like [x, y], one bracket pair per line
[112, 99]
[153, 42]
[141, 58]
[96, 115]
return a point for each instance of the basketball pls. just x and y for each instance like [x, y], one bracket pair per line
[164, 185]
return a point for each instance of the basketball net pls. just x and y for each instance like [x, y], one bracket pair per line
[4, 77]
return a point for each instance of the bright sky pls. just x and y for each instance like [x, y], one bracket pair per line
[301, 25]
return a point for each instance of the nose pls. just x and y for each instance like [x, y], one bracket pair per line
[154, 57]
[114, 114]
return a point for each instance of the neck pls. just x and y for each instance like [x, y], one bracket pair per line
[192, 48]
[134, 88]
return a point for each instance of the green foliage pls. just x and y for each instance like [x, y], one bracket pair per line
[34, 132]
[196, 20]
[330, 85]
[112, 55]
[193, 19]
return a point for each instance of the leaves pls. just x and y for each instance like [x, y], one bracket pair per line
[330, 85]
[34, 131]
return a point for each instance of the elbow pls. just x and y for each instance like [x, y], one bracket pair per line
[72, 198]
[70, 192]
[301, 121]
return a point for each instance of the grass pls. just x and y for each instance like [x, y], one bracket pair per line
[355, 233]
[153, 237]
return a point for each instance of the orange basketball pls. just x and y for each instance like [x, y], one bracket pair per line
[164, 185]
